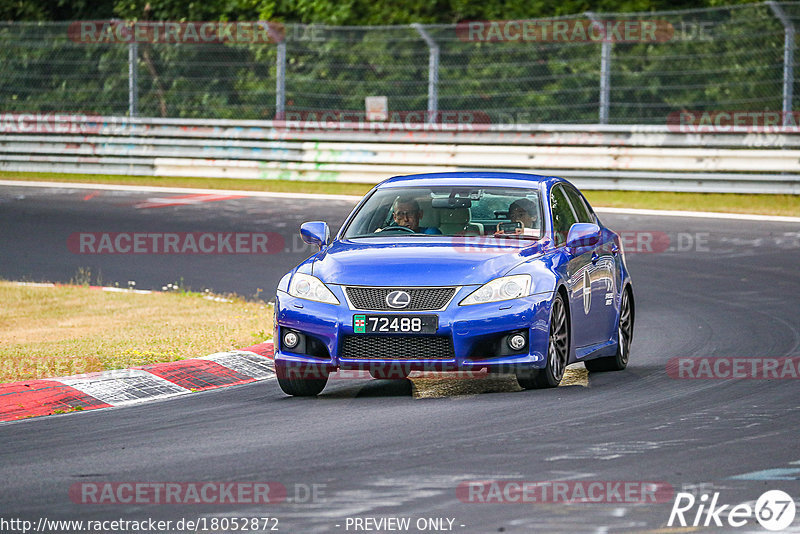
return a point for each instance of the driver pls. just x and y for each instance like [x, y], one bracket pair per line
[407, 213]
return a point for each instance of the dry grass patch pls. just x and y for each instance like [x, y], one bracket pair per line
[49, 332]
[424, 388]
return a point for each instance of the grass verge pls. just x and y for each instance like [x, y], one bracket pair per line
[66, 330]
[786, 205]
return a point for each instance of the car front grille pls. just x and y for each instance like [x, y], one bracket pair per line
[422, 298]
[396, 348]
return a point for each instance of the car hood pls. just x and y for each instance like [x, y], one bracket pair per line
[420, 261]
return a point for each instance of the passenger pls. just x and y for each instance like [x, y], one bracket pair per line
[526, 213]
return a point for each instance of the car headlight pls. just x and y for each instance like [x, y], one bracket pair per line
[505, 288]
[305, 286]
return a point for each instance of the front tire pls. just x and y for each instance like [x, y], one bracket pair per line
[557, 352]
[619, 361]
[297, 383]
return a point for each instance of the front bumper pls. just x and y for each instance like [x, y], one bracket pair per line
[476, 333]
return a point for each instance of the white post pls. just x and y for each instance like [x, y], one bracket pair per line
[788, 61]
[433, 72]
[133, 79]
[605, 71]
[280, 82]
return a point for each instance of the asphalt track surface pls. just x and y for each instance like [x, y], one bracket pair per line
[374, 447]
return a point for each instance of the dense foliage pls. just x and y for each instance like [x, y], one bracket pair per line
[335, 12]
[729, 58]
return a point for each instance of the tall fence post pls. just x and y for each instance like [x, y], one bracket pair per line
[280, 82]
[788, 61]
[133, 79]
[605, 70]
[433, 72]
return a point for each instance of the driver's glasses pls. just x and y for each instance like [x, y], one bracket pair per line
[405, 214]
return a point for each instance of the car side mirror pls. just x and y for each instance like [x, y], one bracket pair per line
[315, 233]
[583, 235]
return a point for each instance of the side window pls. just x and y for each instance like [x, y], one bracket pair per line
[563, 218]
[579, 206]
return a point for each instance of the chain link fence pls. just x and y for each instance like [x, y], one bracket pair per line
[733, 58]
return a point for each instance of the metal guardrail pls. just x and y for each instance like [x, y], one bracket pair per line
[654, 158]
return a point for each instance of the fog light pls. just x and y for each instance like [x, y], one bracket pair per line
[290, 339]
[516, 341]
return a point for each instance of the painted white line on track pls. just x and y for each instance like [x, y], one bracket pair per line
[353, 198]
[101, 288]
[124, 290]
[155, 189]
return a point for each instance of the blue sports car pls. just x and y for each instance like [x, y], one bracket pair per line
[512, 273]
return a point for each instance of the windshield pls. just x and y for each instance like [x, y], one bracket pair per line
[450, 211]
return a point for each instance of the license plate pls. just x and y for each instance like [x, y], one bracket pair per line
[395, 324]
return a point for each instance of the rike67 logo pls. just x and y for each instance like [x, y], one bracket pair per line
[774, 510]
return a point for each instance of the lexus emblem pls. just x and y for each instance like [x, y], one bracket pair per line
[398, 299]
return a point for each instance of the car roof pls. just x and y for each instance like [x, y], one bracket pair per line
[469, 178]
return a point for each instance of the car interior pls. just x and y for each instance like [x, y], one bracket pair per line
[454, 221]
[452, 216]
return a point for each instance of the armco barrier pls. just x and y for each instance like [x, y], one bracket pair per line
[596, 157]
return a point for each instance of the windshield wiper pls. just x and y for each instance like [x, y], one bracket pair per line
[516, 236]
[384, 234]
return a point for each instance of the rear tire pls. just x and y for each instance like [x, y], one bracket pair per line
[557, 352]
[619, 361]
